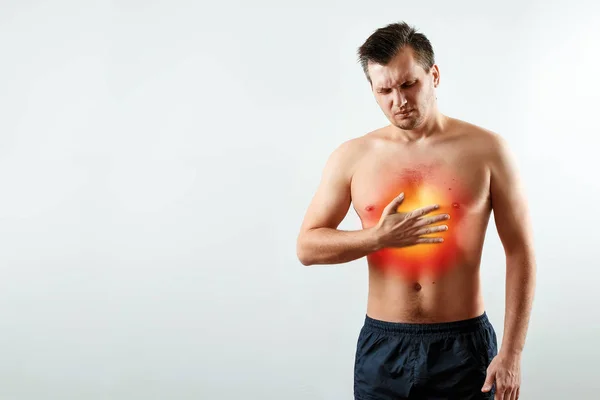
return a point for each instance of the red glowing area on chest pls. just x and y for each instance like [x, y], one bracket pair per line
[420, 188]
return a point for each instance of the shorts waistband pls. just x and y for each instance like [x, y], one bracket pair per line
[409, 328]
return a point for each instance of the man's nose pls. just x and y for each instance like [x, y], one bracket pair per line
[399, 99]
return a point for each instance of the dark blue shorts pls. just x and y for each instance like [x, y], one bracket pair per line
[447, 360]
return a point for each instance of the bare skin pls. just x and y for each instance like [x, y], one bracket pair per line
[452, 175]
[426, 295]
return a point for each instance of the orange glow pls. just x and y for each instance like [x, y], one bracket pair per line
[421, 189]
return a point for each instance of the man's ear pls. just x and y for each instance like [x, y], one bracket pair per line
[436, 75]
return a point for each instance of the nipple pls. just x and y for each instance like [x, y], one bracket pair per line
[369, 208]
[455, 205]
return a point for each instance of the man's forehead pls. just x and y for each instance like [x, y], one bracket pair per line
[401, 68]
[386, 76]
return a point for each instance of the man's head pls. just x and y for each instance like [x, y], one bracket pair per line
[400, 65]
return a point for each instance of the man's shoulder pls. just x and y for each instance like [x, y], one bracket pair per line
[474, 131]
[487, 146]
[349, 153]
[484, 139]
[357, 146]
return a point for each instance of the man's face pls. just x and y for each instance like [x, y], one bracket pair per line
[403, 90]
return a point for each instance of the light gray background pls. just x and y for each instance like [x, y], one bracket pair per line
[156, 160]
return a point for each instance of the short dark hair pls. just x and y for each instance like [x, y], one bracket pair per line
[386, 42]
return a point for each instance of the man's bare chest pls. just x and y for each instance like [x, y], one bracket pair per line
[459, 183]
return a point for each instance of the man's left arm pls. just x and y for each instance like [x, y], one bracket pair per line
[513, 224]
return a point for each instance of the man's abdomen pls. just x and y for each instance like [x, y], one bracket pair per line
[454, 296]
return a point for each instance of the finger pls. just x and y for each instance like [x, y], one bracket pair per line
[423, 240]
[489, 381]
[393, 205]
[427, 231]
[517, 393]
[431, 220]
[505, 393]
[419, 212]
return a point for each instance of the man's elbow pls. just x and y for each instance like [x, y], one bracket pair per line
[307, 262]
[303, 253]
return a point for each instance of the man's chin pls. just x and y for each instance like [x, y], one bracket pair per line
[406, 125]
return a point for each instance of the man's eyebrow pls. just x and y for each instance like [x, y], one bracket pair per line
[409, 79]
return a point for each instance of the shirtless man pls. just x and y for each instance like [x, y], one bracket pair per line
[424, 188]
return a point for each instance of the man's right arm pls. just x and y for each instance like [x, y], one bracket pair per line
[319, 240]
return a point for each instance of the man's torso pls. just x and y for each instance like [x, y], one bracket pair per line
[426, 282]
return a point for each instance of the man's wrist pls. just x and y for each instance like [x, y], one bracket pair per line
[374, 238]
[511, 351]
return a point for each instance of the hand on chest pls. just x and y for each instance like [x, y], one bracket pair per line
[456, 192]
[422, 185]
